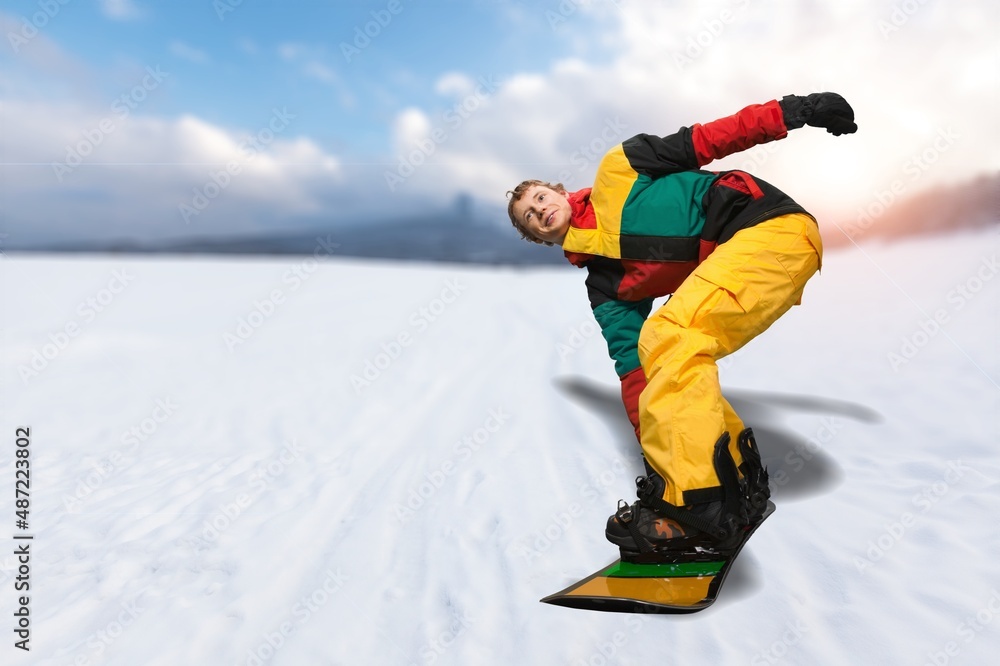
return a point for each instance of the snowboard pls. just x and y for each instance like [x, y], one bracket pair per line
[625, 587]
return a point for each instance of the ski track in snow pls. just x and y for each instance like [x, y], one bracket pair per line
[267, 509]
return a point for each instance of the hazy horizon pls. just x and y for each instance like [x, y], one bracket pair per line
[131, 119]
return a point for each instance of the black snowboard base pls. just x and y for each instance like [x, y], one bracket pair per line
[623, 587]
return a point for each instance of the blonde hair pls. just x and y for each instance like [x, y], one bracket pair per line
[517, 194]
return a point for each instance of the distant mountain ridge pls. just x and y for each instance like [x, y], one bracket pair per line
[431, 238]
[452, 235]
[457, 234]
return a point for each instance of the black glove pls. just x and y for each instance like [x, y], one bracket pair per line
[827, 109]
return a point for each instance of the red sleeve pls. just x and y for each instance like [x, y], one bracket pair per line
[756, 124]
[632, 385]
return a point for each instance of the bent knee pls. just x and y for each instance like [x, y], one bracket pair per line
[663, 341]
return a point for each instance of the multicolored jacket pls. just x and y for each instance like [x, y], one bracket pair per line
[652, 216]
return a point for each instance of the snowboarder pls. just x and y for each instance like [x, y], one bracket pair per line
[734, 253]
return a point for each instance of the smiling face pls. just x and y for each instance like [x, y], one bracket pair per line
[544, 213]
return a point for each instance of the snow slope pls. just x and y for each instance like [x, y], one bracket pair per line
[391, 464]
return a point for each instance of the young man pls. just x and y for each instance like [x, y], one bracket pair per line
[735, 253]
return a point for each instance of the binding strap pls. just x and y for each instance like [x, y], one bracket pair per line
[754, 473]
[626, 516]
[725, 469]
[648, 497]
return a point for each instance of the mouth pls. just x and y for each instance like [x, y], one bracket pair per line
[548, 220]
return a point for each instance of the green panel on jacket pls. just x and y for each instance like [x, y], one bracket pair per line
[667, 206]
[620, 323]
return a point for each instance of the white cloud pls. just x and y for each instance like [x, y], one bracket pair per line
[673, 65]
[290, 51]
[678, 64]
[190, 53]
[455, 84]
[120, 10]
[109, 176]
[248, 46]
[37, 49]
[410, 127]
[317, 70]
[309, 61]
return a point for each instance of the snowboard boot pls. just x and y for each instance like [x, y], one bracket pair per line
[654, 531]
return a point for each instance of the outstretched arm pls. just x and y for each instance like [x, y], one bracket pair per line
[750, 126]
[695, 146]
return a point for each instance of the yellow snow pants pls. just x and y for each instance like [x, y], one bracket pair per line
[731, 297]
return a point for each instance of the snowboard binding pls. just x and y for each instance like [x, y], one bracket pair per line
[654, 531]
[754, 481]
[676, 559]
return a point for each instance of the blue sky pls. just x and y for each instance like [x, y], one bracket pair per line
[456, 97]
[230, 62]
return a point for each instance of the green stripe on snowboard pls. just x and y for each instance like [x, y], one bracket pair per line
[630, 570]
